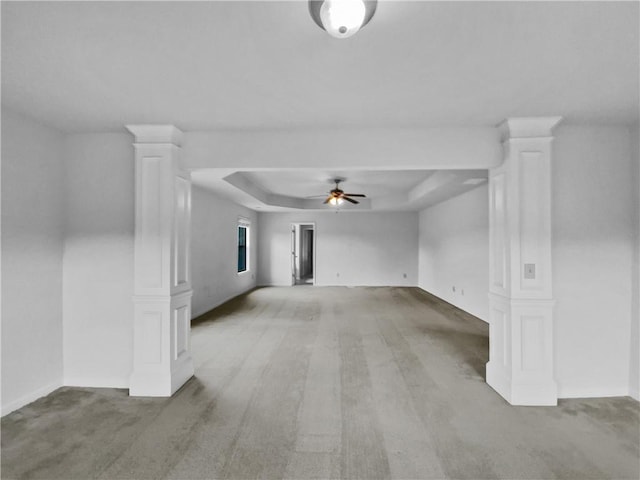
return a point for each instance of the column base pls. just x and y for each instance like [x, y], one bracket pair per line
[525, 391]
[154, 384]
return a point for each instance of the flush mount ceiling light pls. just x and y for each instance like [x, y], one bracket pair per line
[342, 18]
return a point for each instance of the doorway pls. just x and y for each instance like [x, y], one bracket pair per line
[303, 254]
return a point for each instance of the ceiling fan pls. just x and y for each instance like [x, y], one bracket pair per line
[337, 196]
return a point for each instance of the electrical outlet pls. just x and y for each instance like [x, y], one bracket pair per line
[462, 292]
[453, 288]
[338, 274]
[404, 275]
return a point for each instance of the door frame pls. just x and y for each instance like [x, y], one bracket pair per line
[294, 239]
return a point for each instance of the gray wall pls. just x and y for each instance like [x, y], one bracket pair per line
[352, 248]
[454, 251]
[98, 259]
[593, 217]
[32, 245]
[214, 256]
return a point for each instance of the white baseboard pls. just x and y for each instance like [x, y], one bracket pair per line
[475, 314]
[30, 397]
[634, 392]
[97, 382]
[595, 392]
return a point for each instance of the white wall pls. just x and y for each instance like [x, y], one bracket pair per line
[454, 251]
[593, 219]
[214, 236]
[364, 248]
[367, 148]
[98, 260]
[634, 365]
[32, 218]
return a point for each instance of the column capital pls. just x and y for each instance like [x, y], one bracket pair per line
[156, 134]
[527, 127]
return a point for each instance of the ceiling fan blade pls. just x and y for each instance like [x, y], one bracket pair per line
[355, 194]
[349, 199]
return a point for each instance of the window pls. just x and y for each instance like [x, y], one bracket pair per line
[243, 234]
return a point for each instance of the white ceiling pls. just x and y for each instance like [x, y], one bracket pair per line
[96, 66]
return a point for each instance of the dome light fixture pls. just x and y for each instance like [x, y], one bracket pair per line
[342, 18]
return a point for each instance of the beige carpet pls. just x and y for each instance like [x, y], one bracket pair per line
[309, 382]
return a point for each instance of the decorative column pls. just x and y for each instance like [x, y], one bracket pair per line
[521, 363]
[162, 285]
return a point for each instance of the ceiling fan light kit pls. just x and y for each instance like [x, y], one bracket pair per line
[342, 18]
[337, 196]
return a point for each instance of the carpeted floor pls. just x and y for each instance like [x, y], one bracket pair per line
[332, 382]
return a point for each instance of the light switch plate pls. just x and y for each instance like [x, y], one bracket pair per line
[530, 271]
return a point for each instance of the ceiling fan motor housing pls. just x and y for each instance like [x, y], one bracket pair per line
[338, 194]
